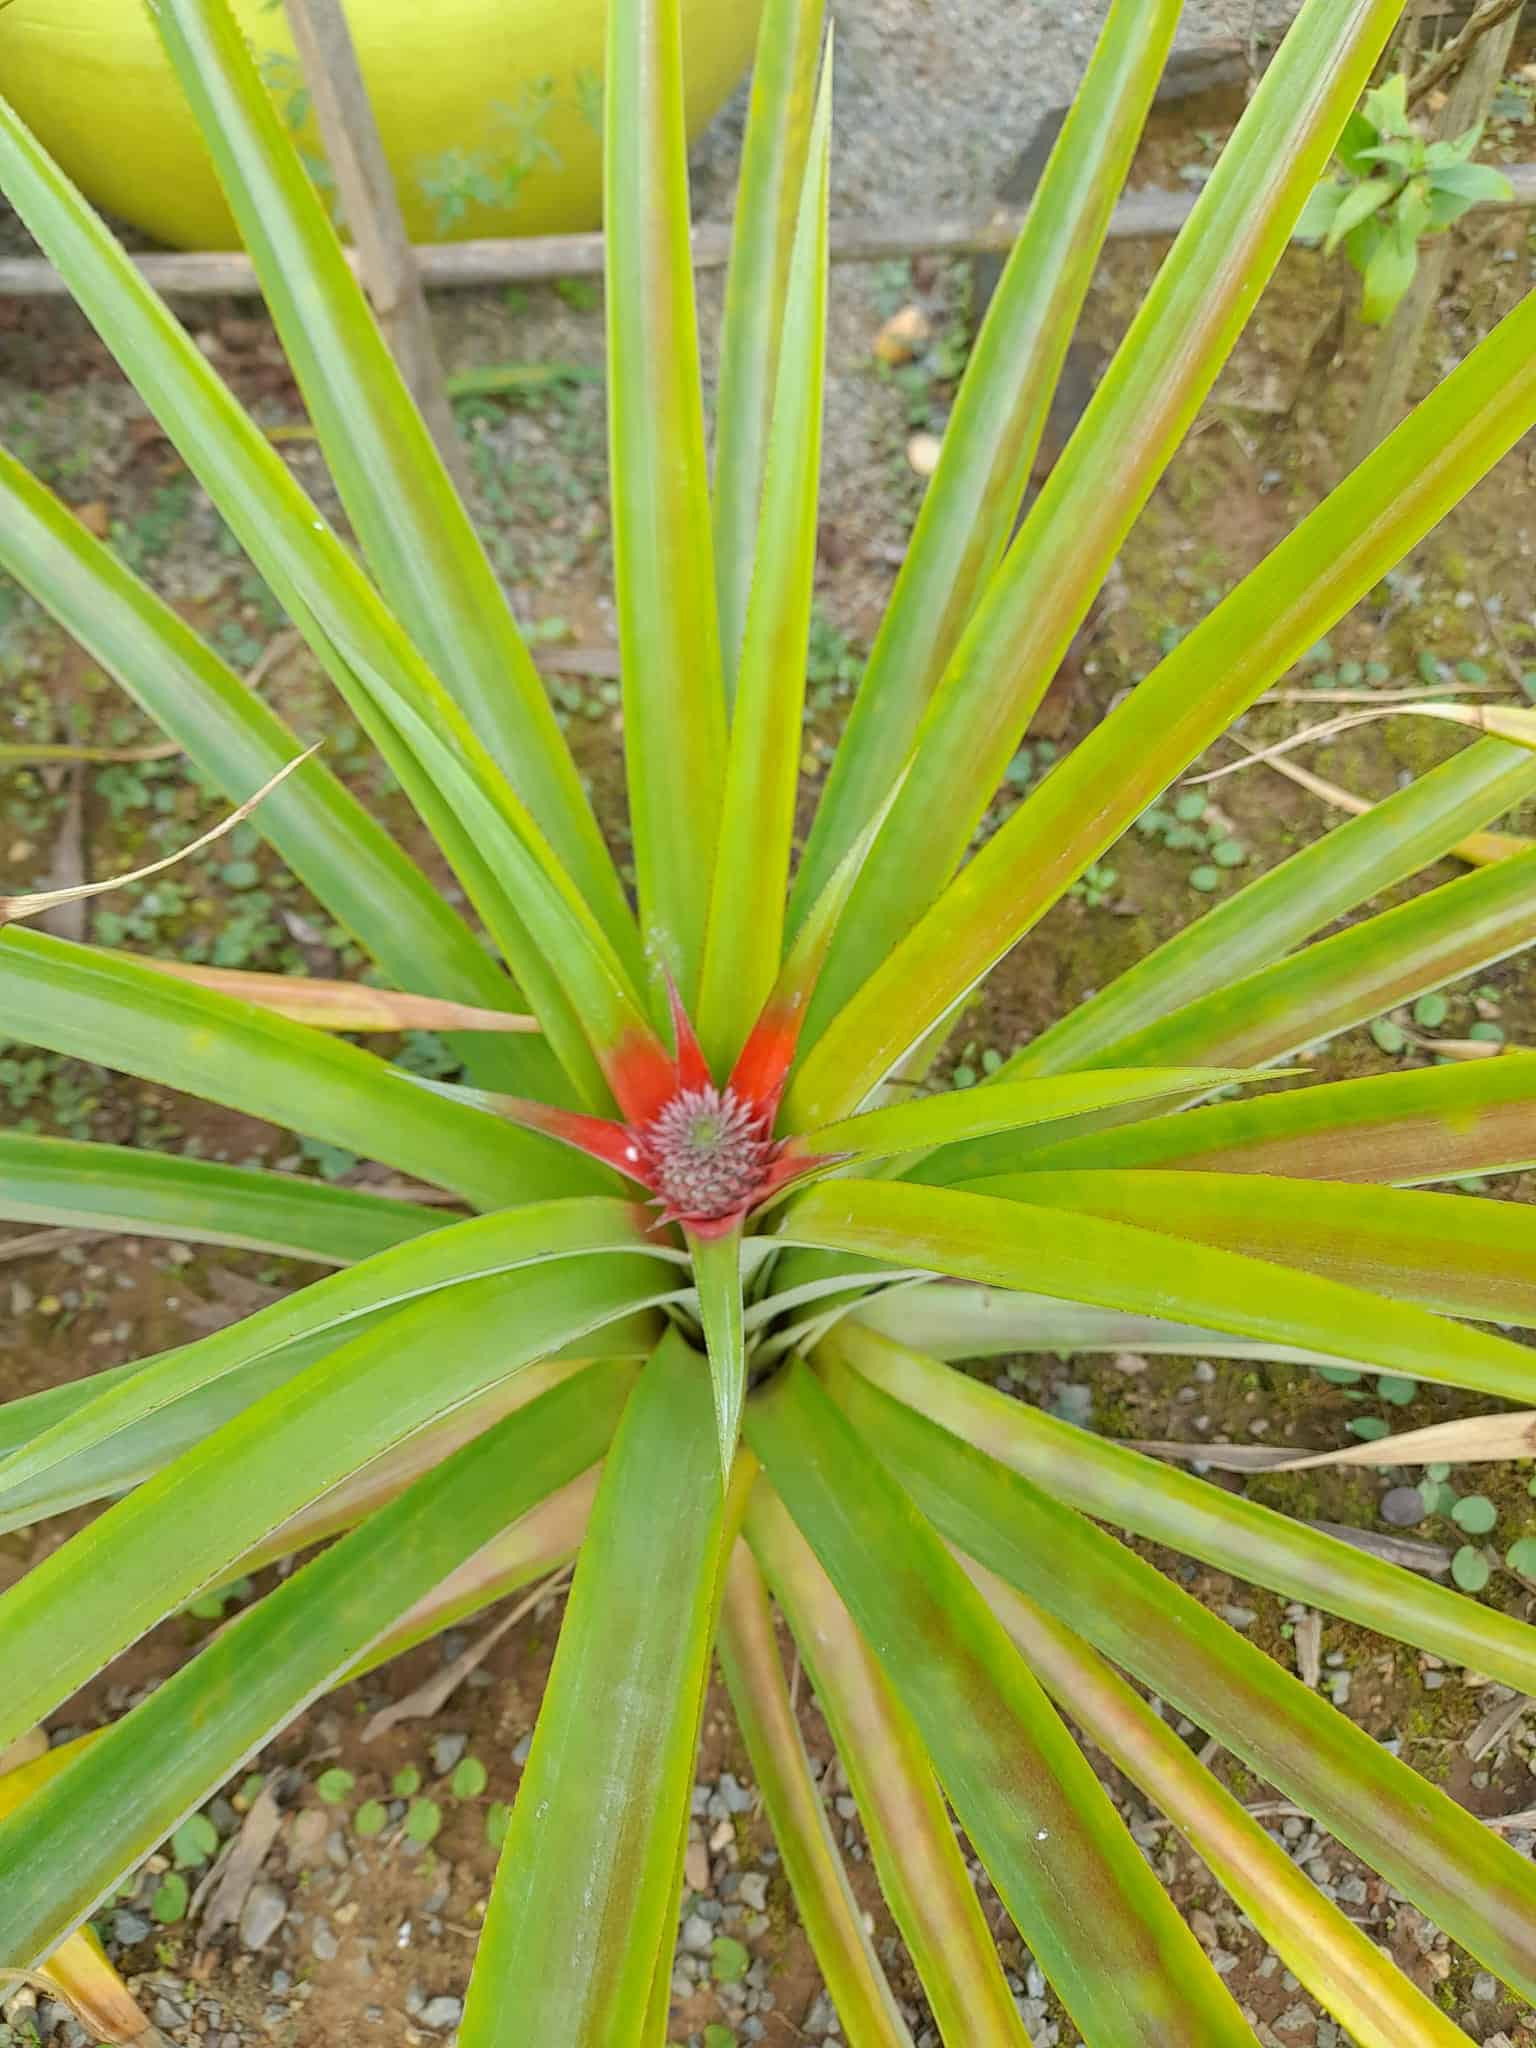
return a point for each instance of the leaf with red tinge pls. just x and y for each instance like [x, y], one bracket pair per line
[828, 1911]
[763, 1065]
[663, 547]
[344, 1005]
[744, 942]
[691, 1069]
[597, 1136]
[641, 1074]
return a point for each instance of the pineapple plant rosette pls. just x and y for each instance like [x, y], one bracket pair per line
[699, 1330]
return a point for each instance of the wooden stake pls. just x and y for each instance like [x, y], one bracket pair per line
[385, 259]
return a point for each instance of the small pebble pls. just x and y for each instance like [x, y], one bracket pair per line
[697, 1934]
[923, 451]
[264, 1912]
[1485, 1986]
[1072, 1403]
[441, 2013]
[753, 1891]
[447, 1750]
[306, 1842]
[129, 1927]
[734, 1795]
[1402, 1507]
[821, 2018]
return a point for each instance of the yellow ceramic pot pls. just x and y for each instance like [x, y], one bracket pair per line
[489, 109]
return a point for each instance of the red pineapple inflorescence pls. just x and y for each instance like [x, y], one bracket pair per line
[706, 1153]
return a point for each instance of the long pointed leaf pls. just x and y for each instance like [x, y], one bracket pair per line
[343, 1005]
[1147, 400]
[363, 648]
[828, 1910]
[659, 2012]
[323, 833]
[763, 1065]
[1335, 1959]
[1301, 896]
[717, 1273]
[598, 1007]
[1346, 979]
[1469, 1881]
[1298, 593]
[949, 1120]
[922, 1871]
[100, 1007]
[66, 1849]
[1114, 1265]
[152, 1194]
[535, 1545]
[417, 535]
[78, 1971]
[773, 160]
[1432, 1123]
[122, 1461]
[1074, 1883]
[951, 1320]
[746, 913]
[993, 434]
[137, 1453]
[1128, 1490]
[674, 692]
[1445, 1252]
[458, 1256]
[603, 1802]
[119, 1576]
[355, 1498]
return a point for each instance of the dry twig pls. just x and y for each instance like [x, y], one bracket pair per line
[432, 1695]
[1456, 52]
